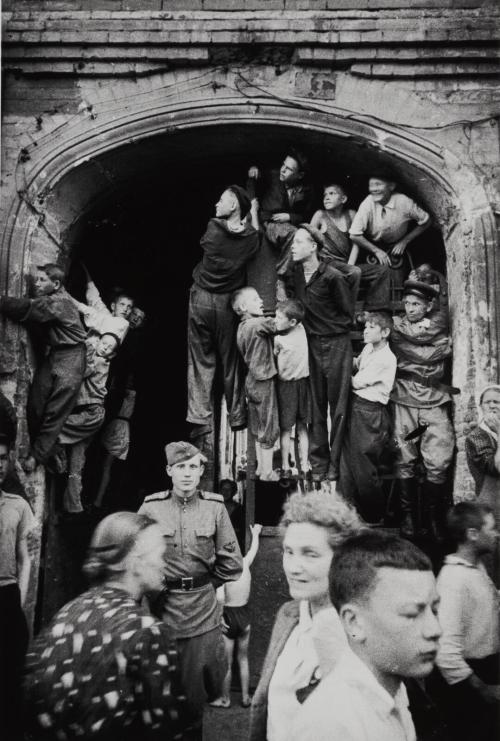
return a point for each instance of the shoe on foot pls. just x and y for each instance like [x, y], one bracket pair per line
[246, 702]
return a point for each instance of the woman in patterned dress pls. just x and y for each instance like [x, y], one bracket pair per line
[104, 668]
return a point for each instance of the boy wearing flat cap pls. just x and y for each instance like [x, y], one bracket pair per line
[228, 245]
[421, 401]
[202, 553]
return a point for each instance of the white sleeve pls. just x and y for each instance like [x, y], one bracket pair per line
[416, 213]
[361, 219]
[450, 658]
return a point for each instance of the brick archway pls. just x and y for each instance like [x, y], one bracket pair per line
[45, 207]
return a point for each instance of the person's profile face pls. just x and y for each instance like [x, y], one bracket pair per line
[380, 190]
[399, 622]
[487, 537]
[43, 285]
[4, 462]
[303, 245]
[253, 303]
[122, 307]
[149, 558]
[290, 171]
[415, 308]
[333, 197]
[226, 204]
[307, 556]
[186, 475]
[283, 322]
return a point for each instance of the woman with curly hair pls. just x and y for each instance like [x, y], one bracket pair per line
[307, 637]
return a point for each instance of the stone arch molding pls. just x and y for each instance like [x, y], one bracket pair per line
[468, 223]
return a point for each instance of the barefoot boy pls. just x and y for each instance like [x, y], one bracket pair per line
[236, 624]
[255, 343]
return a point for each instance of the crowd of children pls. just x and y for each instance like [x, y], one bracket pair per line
[299, 359]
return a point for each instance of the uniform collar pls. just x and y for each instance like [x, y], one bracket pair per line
[453, 560]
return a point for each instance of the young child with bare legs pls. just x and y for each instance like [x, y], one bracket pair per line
[294, 393]
[255, 343]
[236, 625]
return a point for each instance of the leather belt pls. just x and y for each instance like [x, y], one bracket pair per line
[186, 583]
[427, 382]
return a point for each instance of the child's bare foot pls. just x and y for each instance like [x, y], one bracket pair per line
[221, 702]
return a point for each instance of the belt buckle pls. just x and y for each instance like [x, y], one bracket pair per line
[186, 583]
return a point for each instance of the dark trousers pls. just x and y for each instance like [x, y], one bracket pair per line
[52, 397]
[212, 327]
[468, 715]
[330, 366]
[203, 668]
[375, 278]
[13, 646]
[367, 433]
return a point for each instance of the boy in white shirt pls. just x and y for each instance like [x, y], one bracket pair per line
[368, 423]
[294, 393]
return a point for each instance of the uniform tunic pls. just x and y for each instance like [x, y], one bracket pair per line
[200, 540]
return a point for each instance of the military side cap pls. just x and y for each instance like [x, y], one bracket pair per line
[181, 451]
[315, 234]
[420, 289]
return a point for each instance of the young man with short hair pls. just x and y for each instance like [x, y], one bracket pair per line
[334, 222]
[380, 226]
[228, 244]
[385, 593]
[202, 553]
[421, 402]
[287, 198]
[329, 311]
[16, 521]
[468, 657]
[368, 424]
[58, 378]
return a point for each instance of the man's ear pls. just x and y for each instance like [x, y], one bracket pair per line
[352, 620]
[57, 284]
[169, 470]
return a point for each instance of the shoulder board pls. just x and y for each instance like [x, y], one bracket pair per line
[211, 496]
[157, 497]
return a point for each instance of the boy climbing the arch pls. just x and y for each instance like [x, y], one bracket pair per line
[58, 378]
[228, 244]
[380, 226]
[334, 222]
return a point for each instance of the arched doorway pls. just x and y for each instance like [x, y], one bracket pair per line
[76, 181]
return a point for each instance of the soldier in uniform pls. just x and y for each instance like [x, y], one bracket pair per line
[202, 553]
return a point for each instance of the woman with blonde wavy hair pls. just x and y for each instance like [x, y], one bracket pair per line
[307, 637]
[104, 668]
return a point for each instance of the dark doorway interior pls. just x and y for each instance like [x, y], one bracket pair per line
[143, 234]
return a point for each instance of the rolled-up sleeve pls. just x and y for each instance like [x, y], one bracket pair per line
[416, 213]
[361, 220]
